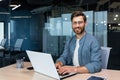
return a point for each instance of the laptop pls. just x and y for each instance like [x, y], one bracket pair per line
[44, 64]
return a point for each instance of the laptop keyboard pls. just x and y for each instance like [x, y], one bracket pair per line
[67, 75]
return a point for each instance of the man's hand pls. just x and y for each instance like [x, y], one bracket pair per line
[71, 69]
[58, 65]
[67, 69]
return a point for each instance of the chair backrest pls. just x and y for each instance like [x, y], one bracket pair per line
[105, 56]
[3, 42]
[18, 44]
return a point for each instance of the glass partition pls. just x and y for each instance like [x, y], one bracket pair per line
[47, 26]
[101, 27]
[59, 29]
[4, 19]
[89, 27]
[66, 24]
[1, 31]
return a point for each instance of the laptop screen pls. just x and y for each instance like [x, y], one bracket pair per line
[43, 63]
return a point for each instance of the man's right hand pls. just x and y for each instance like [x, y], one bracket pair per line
[58, 64]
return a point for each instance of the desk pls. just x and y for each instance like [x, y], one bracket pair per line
[12, 73]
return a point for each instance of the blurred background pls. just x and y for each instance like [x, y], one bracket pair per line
[45, 26]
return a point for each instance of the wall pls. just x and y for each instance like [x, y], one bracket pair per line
[113, 41]
[5, 17]
[28, 27]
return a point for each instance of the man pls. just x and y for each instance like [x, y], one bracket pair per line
[82, 53]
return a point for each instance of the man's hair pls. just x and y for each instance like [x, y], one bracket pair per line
[78, 13]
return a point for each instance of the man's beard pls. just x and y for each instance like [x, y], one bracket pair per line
[79, 31]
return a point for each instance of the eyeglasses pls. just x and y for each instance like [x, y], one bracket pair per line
[79, 22]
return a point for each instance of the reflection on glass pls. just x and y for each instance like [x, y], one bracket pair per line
[67, 27]
[89, 26]
[54, 26]
[101, 27]
[59, 29]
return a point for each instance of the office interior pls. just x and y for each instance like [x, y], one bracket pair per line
[45, 26]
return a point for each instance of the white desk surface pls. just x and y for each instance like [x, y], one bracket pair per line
[12, 73]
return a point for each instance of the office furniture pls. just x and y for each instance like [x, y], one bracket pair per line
[16, 47]
[3, 42]
[105, 56]
[1, 53]
[18, 44]
[12, 73]
[1, 56]
[2, 48]
[12, 51]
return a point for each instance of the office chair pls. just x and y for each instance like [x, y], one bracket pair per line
[105, 56]
[13, 51]
[18, 44]
[16, 49]
[2, 48]
[3, 42]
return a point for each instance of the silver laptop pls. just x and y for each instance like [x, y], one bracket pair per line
[43, 63]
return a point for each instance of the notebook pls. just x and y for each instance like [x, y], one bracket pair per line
[44, 64]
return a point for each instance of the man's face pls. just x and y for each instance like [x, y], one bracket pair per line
[78, 25]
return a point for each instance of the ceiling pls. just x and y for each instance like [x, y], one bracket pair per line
[89, 4]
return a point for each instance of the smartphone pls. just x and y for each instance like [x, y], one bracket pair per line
[30, 68]
[96, 78]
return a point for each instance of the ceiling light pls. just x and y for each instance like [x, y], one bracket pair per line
[87, 16]
[109, 25]
[16, 7]
[66, 19]
[12, 5]
[116, 15]
[115, 19]
[105, 24]
[102, 22]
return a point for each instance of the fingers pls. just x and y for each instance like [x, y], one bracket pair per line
[58, 65]
[62, 71]
[66, 69]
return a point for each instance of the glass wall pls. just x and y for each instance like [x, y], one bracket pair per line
[101, 27]
[59, 29]
[47, 26]
[1, 31]
[90, 16]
